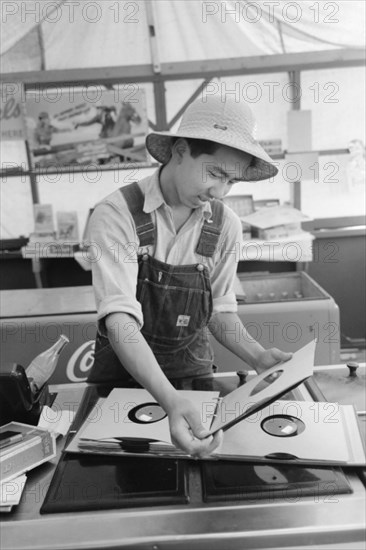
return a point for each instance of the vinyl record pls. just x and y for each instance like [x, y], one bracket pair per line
[146, 413]
[282, 425]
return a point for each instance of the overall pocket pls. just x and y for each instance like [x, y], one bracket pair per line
[200, 352]
[173, 315]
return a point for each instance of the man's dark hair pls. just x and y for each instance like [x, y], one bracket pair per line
[199, 147]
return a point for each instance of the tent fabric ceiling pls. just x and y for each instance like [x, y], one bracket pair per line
[72, 35]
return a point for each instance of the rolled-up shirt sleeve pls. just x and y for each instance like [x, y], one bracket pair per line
[226, 263]
[113, 254]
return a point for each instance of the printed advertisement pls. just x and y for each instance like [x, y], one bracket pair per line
[11, 112]
[68, 128]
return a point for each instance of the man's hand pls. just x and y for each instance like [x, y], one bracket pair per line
[187, 432]
[227, 326]
[269, 358]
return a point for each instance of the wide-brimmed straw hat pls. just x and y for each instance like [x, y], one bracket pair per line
[221, 120]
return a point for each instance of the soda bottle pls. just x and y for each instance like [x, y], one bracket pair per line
[43, 365]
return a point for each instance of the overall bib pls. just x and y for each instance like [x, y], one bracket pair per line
[176, 302]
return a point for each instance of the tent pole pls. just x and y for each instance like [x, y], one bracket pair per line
[32, 175]
[152, 36]
[158, 82]
[160, 105]
[295, 89]
[295, 80]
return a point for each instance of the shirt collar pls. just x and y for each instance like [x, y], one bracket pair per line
[206, 211]
[154, 198]
[153, 195]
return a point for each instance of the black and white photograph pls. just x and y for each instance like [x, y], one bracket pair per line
[183, 261]
[79, 131]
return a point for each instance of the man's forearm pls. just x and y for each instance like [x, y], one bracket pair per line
[228, 329]
[136, 356]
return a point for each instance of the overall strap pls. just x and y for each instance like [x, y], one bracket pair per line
[134, 198]
[211, 230]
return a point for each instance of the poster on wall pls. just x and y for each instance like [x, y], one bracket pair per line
[86, 128]
[13, 153]
[11, 112]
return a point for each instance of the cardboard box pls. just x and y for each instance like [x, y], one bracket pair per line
[278, 231]
[36, 447]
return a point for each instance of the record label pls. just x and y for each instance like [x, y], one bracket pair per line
[282, 425]
[146, 413]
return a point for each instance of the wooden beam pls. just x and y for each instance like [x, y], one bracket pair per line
[185, 70]
[295, 90]
[152, 36]
[160, 106]
[32, 176]
[264, 64]
[82, 77]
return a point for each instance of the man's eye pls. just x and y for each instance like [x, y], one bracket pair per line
[216, 175]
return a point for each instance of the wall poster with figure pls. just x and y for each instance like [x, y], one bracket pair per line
[87, 127]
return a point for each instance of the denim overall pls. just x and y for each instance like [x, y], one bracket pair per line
[176, 303]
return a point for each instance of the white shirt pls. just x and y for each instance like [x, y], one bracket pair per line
[115, 246]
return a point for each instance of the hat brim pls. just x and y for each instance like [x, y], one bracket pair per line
[159, 146]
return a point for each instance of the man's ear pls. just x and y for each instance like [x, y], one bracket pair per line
[179, 148]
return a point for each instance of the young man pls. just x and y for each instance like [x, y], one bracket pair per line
[167, 260]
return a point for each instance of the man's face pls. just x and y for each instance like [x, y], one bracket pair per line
[207, 177]
[44, 118]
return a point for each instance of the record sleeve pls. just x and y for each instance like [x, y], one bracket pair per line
[257, 425]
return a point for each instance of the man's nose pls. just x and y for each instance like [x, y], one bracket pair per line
[219, 190]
